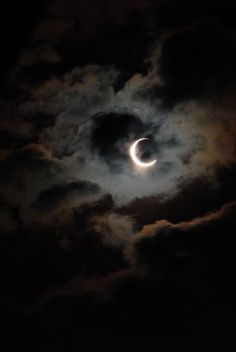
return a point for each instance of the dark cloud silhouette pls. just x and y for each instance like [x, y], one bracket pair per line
[172, 14]
[20, 166]
[10, 138]
[56, 195]
[196, 61]
[161, 244]
[29, 155]
[180, 292]
[194, 200]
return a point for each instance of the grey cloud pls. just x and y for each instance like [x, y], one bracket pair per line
[189, 263]
[40, 54]
[64, 195]
[10, 137]
[161, 248]
[26, 171]
[81, 91]
[7, 222]
[114, 229]
[161, 243]
[103, 12]
[186, 138]
[52, 30]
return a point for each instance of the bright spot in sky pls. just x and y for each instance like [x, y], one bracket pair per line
[134, 157]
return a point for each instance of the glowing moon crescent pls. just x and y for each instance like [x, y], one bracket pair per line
[138, 162]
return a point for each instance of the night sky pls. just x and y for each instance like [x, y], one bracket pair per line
[96, 252]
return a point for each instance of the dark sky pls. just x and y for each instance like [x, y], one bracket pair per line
[97, 253]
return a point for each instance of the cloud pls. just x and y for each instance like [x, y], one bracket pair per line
[188, 265]
[10, 137]
[52, 30]
[115, 230]
[20, 167]
[66, 195]
[7, 221]
[160, 245]
[76, 92]
[113, 259]
[64, 38]
[93, 122]
[172, 14]
[94, 126]
[40, 54]
[196, 61]
[104, 13]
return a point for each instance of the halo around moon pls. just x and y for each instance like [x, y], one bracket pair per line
[132, 152]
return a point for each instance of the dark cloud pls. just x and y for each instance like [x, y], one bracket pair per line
[108, 35]
[193, 200]
[27, 158]
[56, 195]
[8, 219]
[10, 139]
[114, 229]
[42, 258]
[44, 53]
[172, 14]
[197, 61]
[20, 166]
[163, 244]
[184, 298]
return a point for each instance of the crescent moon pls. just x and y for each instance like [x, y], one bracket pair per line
[138, 162]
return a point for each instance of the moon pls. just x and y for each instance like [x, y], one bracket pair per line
[134, 157]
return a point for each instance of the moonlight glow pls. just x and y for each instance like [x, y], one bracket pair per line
[138, 162]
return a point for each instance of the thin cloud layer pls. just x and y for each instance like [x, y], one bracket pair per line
[84, 103]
